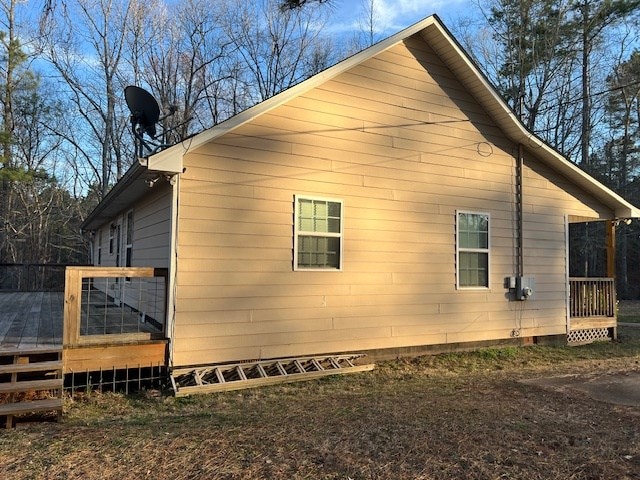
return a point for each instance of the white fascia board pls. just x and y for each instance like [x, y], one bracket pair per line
[166, 161]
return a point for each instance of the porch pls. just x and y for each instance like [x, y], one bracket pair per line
[592, 310]
[592, 305]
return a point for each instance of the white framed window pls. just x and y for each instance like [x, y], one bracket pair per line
[472, 249]
[128, 246]
[128, 241]
[317, 233]
[112, 236]
[99, 249]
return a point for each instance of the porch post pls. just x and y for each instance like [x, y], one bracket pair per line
[611, 248]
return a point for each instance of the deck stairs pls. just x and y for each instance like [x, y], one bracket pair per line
[31, 381]
[236, 376]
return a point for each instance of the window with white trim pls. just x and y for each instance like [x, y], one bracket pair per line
[129, 238]
[112, 235]
[99, 259]
[472, 249]
[318, 234]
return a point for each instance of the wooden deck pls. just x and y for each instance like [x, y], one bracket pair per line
[116, 336]
[33, 320]
[30, 320]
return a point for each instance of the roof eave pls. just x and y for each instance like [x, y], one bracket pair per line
[133, 185]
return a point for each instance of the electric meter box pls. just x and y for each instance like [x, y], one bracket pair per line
[522, 288]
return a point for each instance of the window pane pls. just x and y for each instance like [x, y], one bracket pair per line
[318, 216]
[320, 208]
[482, 270]
[320, 225]
[483, 240]
[473, 269]
[129, 228]
[464, 239]
[473, 230]
[463, 222]
[305, 207]
[318, 252]
[474, 240]
[333, 252]
[483, 231]
[333, 225]
[483, 223]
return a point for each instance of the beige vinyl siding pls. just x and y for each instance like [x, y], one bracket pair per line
[152, 228]
[403, 146]
[548, 197]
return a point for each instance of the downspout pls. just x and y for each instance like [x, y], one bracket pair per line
[173, 264]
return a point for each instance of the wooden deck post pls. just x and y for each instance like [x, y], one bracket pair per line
[72, 299]
[611, 248]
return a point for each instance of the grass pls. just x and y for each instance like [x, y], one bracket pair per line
[462, 415]
[629, 312]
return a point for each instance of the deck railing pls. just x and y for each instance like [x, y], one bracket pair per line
[32, 277]
[107, 305]
[592, 297]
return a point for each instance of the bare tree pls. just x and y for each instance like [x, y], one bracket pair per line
[16, 82]
[278, 48]
[544, 56]
[368, 25]
[84, 41]
[33, 200]
[293, 4]
[188, 68]
[532, 54]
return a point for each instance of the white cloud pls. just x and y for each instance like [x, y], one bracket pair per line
[391, 15]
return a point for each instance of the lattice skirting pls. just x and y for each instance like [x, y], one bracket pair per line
[589, 335]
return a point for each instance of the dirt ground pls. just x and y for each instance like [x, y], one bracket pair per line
[617, 387]
[620, 388]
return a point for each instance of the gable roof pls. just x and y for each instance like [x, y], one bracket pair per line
[436, 35]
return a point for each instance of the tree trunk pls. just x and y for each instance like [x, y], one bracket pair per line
[586, 99]
[621, 267]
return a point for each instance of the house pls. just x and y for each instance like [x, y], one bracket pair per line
[390, 203]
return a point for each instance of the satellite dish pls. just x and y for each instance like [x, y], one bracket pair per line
[145, 115]
[145, 111]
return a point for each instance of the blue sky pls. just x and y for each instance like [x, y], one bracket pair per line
[394, 15]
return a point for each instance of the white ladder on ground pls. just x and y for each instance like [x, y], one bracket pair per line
[236, 376]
